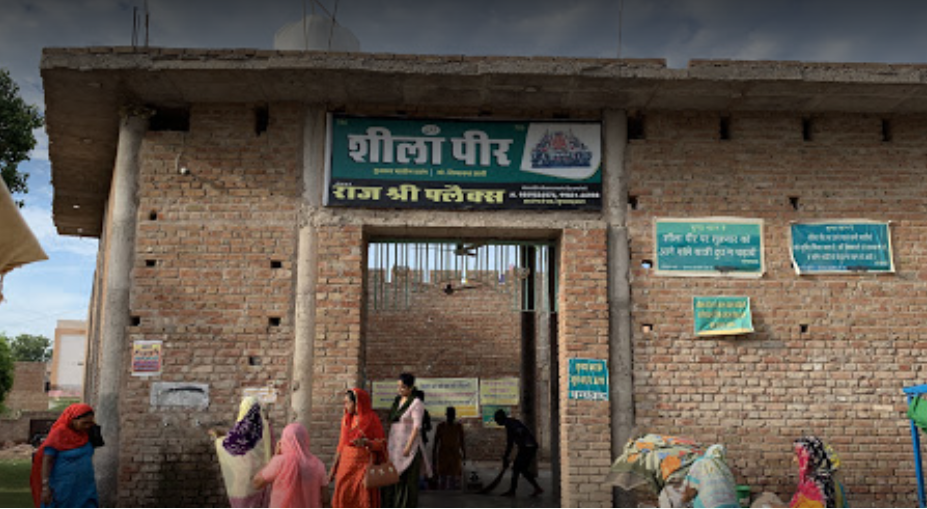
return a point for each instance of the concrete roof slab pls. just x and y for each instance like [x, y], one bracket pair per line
[85, 88]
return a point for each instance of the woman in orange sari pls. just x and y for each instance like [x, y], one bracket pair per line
[361, 435]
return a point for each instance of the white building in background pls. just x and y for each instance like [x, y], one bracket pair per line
[68, 359]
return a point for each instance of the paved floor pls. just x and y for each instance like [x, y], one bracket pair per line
[487, 472]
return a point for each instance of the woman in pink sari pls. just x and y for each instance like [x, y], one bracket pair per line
[297, 476]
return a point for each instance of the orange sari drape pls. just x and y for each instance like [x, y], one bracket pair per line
[352, 462]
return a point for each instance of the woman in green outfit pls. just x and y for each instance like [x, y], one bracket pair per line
[406, 449]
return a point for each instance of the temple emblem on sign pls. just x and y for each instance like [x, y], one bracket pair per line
[560, 149]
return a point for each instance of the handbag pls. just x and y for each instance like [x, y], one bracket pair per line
[917, 412]
[379, 475]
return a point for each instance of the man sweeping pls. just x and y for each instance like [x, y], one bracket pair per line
[516, 433]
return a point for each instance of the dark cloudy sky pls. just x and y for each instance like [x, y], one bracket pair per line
[890, 31]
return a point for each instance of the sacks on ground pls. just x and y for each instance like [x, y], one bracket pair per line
[767, 499]
[653, 460]
[671, 495]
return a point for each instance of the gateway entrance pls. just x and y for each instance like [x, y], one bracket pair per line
[475, 321]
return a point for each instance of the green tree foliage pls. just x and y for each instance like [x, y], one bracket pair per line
[17, 120]
[6, 369]
[30, 348]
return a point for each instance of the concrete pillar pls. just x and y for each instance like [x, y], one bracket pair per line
[621, 389]
[314, 135]
[117, 283]
[529, 364]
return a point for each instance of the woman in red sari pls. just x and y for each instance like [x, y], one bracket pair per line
[361, 435]
[62, 468]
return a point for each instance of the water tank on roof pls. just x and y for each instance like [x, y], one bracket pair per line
[315, 32]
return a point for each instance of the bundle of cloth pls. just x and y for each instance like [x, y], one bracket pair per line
[654, 461]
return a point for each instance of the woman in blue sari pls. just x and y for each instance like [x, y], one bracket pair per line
[62, 468]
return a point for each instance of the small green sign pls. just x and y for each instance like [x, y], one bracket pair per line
[841, 247]
[588, 379]
[717, 316]
[489, 414]
[709, 247]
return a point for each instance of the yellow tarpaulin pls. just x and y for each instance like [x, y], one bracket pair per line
[18, 246]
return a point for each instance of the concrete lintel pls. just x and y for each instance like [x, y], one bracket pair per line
[83, 87]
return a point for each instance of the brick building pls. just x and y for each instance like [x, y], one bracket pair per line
[204, 174]
[68, 358]
[28, 391]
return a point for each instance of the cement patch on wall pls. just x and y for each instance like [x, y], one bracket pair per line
[180, 394]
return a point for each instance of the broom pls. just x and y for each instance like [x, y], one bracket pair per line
[495, 482]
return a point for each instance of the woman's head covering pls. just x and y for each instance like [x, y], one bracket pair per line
[295, 441]
[249, 429]
[814, 456]
[817, 463]
[364, 423]
[294, 485]
[61, 437]
[243, 451]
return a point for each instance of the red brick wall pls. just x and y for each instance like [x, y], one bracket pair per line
[472, 333]
[842, 379]
[211, 291]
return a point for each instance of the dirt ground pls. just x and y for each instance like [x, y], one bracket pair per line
[11, 451]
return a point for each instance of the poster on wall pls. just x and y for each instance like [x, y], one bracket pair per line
[147, 358]
[841, 247]
[709, 247]
[382, 394]
[499, 392]
[440, 393]
[719, 316]
[461, 393]
[266, 395]
[588, 379]
[463, 164]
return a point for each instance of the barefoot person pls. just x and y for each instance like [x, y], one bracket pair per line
[516, 433]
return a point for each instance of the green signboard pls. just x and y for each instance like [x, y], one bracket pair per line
[841, 247]
[588, 379]
[716, 316]
[712, 246]
[458, 164]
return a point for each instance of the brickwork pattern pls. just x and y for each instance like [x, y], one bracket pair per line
[831, 353]
[204, 285]
[28, 391]
[585, 429]
[471, 333]
[338, 350]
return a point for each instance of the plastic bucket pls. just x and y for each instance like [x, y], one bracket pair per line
[743, 495]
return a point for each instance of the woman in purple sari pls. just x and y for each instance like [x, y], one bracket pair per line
[243, 452]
